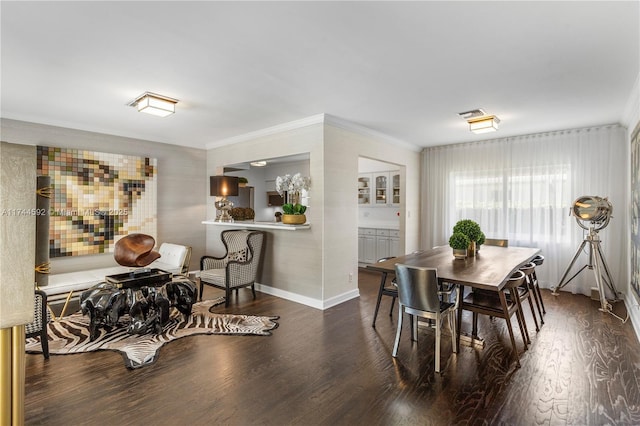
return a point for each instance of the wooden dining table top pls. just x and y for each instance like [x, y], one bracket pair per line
[489, 269]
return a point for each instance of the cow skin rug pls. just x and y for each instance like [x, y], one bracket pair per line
[70, 335]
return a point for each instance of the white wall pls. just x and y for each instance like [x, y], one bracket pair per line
[182, 180]
[319, 267]
[293, 259]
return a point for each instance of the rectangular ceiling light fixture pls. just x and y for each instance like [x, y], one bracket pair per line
[488, 123]
[155, 104]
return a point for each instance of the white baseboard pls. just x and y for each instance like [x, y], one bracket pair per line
[308, 301]
[634, 312]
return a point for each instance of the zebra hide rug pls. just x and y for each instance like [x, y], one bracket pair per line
[70, 334]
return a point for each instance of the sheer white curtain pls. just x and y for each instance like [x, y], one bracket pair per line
[522, 188]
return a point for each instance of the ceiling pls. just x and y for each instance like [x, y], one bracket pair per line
[402, 69]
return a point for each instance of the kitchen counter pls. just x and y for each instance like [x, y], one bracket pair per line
[379, 225]
[259, 225]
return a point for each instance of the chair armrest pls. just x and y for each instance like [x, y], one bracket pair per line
[211, 262]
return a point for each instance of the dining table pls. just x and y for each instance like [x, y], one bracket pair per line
[489, 269]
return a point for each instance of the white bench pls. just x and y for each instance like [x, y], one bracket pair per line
[174, 258]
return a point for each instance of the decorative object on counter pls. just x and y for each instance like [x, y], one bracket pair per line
[242, 213]
[242, 181]
[278, 216]
[70, 335]
[290, 188]
[223, 186]
[294, 214]
[459, 242]
[472, 230]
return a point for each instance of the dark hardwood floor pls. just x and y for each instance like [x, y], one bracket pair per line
[332, 367]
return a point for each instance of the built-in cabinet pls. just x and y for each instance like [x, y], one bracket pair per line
[376, 243]
[379, 189]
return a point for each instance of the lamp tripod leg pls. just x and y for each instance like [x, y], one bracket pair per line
[562, 282]
[608, 280]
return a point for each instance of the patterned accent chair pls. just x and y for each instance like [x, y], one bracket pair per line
[39, 325]
[239, 267]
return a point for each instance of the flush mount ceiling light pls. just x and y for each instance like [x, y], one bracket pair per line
[479, 121]
[154, 104]
[258, 163]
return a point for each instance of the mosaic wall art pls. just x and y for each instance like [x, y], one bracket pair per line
[97, 198]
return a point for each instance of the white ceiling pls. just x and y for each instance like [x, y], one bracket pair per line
[403, 69]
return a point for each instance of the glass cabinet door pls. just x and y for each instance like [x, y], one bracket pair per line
[381, 188]
[364, 190]
[395, 188]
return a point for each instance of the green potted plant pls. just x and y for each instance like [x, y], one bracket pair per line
[480, 241]
[459, 242]
[242, 182]
[294, 214]
[472, 230]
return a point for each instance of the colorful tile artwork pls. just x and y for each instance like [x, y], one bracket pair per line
[97, 198]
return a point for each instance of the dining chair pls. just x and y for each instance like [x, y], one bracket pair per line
[496, 304]
[385, 290]
[538, 260]
[419, 296]
[527, 291]
[496, 242]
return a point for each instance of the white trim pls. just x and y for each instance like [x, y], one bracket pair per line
[309, 121]
[365, 131]
[632, 306]
[292, 125]
[308, 301]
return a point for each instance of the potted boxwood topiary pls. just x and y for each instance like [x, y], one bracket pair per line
[472, 230]
[459, 242]
[242, 181]
[480, 241]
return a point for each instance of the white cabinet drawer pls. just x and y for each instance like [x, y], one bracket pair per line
[382, 232]
[394, 234]
[366, 231]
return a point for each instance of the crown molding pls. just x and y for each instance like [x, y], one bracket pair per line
[292, 125]
[312, 120]
[365, 131]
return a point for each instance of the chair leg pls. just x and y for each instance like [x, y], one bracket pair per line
[253, 290]
[414, 327]
[453, 327]
[540, 296]
[44, 341]
[383, 279]
[522, 323]
[398, 332]
[438, 335]
[393, 302]
[474, 329]
[503, 302]
[201, 289]
[533, 312]
[227, 296]
[459, 322]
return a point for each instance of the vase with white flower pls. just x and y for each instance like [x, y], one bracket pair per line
[290, 189]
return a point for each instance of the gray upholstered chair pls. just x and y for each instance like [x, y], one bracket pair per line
[239, 267]
[39, 325]
[419, 296]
